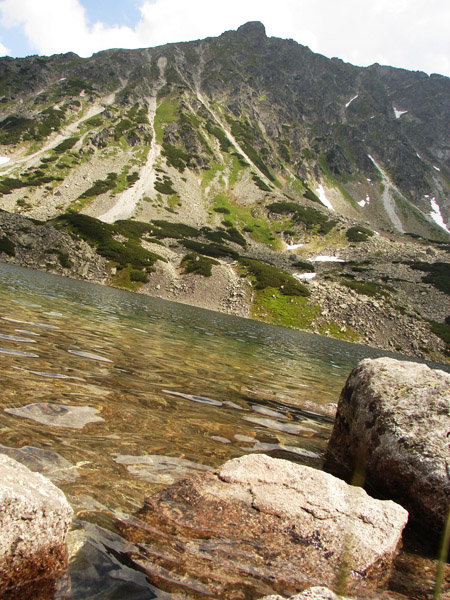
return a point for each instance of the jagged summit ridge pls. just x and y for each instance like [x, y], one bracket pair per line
[254, 29]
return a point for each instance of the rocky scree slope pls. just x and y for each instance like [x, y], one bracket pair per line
[189, 162]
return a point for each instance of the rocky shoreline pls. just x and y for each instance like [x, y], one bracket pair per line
[397, 322]
[260, 526]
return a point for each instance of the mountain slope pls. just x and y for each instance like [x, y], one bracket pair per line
[298, 119]
[236, 148]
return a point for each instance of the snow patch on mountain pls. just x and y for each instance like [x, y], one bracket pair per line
[363, 203]
[322, 197]
[399, 113]
[326, 259]
[350, 101]
[436, 215]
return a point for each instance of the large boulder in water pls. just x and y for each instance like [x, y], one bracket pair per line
[260, 525]
[34, 519]
[393, 429]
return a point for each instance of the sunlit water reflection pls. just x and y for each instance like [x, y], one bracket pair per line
[114, 395]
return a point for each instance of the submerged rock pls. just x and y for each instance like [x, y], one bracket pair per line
[34, 519]
[46, 462]
[260, 525]
[393, 429]
[57, 415]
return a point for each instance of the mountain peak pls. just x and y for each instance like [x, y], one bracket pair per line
[253, 29]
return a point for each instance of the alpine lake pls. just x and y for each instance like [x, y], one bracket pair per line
[113, 395]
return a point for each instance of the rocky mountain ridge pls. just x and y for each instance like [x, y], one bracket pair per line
[215, 172]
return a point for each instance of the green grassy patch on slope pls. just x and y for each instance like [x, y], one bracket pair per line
[209, 174]
[272, 306]
[167, 112]
[241, 217]
[127, 279]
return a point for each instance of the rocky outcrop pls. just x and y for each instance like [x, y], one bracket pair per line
[260, 525]
[40, 246]
[393, 429]
[34, 519]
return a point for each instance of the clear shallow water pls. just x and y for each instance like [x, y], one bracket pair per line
[113, 395]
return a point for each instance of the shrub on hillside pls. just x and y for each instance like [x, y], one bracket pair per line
[198, 264]
[368, 288]
[312, 219]
[67, 144]
[100, 235]
[269, 276]
[175, 157]
[442, 330]
[217, 250]
[358, 234]
[101, 186]
[166, 229]
[438, 274]
[139, 276]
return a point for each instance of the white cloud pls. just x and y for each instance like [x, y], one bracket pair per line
[394, 7]
[4, 51]
[412, 34]
[54, 26]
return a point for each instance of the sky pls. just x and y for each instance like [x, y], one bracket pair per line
[411, 34]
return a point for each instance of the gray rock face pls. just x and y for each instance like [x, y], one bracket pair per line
[34, 519]
[393, 428]
[261, 525]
